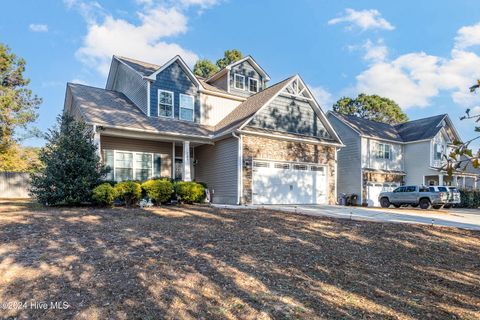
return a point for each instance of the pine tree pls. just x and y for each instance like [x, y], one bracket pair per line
[72, 166]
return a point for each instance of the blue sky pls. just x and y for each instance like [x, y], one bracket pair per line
[422, 54]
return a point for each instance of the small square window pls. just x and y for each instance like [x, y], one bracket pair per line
[239, 82]
[252, 85]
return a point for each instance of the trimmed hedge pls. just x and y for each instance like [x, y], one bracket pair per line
[128, 191]
[469, 199]
[104, 194]
[159, 190]
[189, 192]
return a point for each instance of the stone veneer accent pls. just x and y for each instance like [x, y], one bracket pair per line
[256, 147]
[380, 178]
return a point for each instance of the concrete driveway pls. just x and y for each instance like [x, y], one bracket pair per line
[460, 218]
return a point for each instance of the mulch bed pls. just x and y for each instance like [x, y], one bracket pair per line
[197, 262]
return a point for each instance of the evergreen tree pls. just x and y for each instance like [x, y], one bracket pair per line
[18, 106]
[204, 68]
[371, 107]
[72, 166]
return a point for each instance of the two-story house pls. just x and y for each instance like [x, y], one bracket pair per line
[380, 156]
[251, 143]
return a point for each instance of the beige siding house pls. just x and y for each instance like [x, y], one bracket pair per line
[249, 142]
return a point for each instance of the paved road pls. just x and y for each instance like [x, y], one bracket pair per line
[460, 218]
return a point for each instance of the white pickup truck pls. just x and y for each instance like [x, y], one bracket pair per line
[415, 196]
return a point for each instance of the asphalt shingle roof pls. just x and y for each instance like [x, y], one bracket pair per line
[144, 68]
[415, 130]
[112, 108]
[420, 129]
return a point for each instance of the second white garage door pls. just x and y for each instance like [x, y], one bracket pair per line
[288, 183]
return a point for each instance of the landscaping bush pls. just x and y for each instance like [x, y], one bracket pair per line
[104, 194]
[128, 191]
[189, 192]
[159, 190]
[72, 166]
[469, 199]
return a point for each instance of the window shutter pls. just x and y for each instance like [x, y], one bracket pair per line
[157, 165]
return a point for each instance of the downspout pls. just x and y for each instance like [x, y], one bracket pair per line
[239, 168]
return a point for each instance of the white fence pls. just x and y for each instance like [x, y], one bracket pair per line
[14, 185]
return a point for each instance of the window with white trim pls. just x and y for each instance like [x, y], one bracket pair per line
[165, 103]
[383, 151]
[123, 166]
[143, 166]
[437, 151]
[127, 165]
[239, 81]
[187, 104]
[252, 85]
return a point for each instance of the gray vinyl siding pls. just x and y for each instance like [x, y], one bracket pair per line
[217, 167]
[371, 161]
[131, 85]
[349, 159]
[136, 145]
[417, 162]
[286, 114]
[221, 82]
[245, 69]
[174, 79]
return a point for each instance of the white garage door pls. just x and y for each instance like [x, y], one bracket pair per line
[373, 191]
[288, 183]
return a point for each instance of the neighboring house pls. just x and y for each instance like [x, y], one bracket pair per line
[251, 143]
[380, 156]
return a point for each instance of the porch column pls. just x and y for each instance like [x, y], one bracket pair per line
[463, 182]
[440, 179]
[96, 140]
[186, 161]
[173, 160]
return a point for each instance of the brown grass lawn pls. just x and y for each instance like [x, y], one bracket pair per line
[203, 263]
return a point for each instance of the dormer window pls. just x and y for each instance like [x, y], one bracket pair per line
[165, 103]
[186, 107]
[239, 81]
[252, 85]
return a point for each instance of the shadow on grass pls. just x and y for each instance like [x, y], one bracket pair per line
[200, 262]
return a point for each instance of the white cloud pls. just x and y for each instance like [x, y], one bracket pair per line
[413, 79]
[467, 36]
[38, 27]
[375, 51]
[363, 19]
[145, 40]
[323, 97]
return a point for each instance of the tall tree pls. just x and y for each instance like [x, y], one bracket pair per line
[18, 106]
[204, 68]
[372, 107]
[462, 154]
[229, 56]
[72, 166]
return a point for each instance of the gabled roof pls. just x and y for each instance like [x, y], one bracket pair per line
[114, 109]
[416, 130]
[143, 68]
[254, 64]
[249, 107]
[182, 64]
[420, 129]
[369, 128]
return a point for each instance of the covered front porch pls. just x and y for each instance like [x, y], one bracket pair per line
[461, 181]
[145, 156]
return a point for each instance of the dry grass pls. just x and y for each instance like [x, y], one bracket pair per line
[205, 263]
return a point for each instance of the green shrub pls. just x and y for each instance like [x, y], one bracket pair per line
[159, 190]
[104, 194]
[469, 199]
[128, 191]
[189, 192]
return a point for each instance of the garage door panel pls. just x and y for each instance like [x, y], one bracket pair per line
[287, 183]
